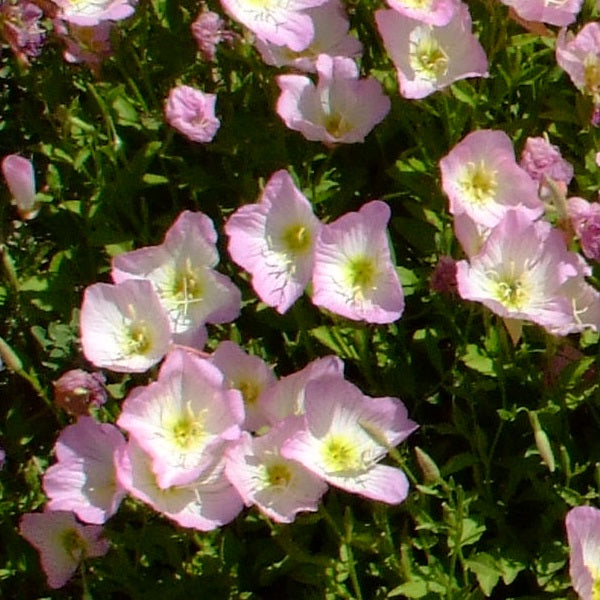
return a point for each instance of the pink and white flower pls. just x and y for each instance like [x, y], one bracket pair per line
[285, 398]
[331, 37]
[62, 543]
[247, 373]
[553, 12]
[84, 479]
[124, 327]
[184, 419]
[347, 434]
[192, 113]
[583, 533]
[520, 272]
[209, 31]
[481, 178]
[205, 503]
[430, 58]
[354, 275]
[432, 12]
[274, 240]
[579, 56]
[92, 12]
[181, 271]
[20, 179]
[279, 487]
[340, 109]
[281, 23]
[585, 218]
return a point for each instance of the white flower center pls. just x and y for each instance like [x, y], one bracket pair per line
[426, 57]
[478, 183]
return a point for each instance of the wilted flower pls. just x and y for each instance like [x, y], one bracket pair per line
[585, 218]
[430, 58]
[274, 240]
[278, 486]
[553, 12]
[92, 12]
[345, 436]
[62, 543]
[123, 326]
[481, 178]
[209, 31]
[77, 390]
[20, 28]
[89, 45]
[331, 37]
[543, 161]
[192, 113]
[340, 109]
[354, 275]
[20, 179]
[281, 23]
[583, 533]
[84, 478]
[443, 278]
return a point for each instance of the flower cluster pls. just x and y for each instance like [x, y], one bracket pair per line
[284, 246]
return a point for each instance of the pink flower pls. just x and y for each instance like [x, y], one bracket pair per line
[20, 28]
[583, 533]
[62, 543]
[181, 272]
[76, 391]
[192, 113]
[285, 398]
[85, 44]
[274, 240]
[429, 58]
[279, 487]
[585, 218]
[579, 56]
[123, 327]
[331, 37]
[84, 478]
[20, 179]
[281, 23]
[521, 271]
[184, 419]
[563, 12]
[92, 12]
[209, 31]
[247, 373]
[346, 434]
[432, 12]
[341, 108]
[481, 178]
[203, 504]
[354, 275]
[543, 160]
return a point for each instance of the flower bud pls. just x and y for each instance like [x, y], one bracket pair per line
[20, 178]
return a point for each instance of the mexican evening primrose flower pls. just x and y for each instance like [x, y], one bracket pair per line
[583, 533]
[92, 12]
[340, 109]
[354, 275]
[553, 12]
[430, 58]
[481, 178]
[124, 327]
[274, 240]
[62, 543]
[281, 23]
[433, 12]
[184, 419]
[345, 436]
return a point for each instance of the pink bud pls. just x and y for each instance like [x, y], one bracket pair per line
[19, 176]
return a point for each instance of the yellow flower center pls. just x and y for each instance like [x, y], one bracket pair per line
[187, 432]
[73, 543]
[250, 391]
[479, 183]
[297, 239]
[278, 475]
[340, 453]
[138, 339]
[591, 73]
[427, 58]
[361, 273]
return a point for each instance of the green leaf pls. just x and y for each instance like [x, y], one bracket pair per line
[485, 569]
[474, 359]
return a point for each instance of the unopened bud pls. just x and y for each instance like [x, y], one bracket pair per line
[541, 441]
[431, 472]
